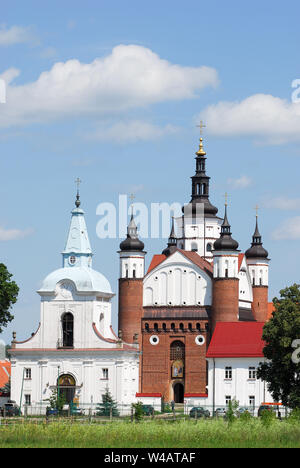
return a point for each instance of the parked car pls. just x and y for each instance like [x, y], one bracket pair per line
[243, 409]
[199, 412]
[264, 408]
[220, 412]
[10, 409]
[148, 410]
[51, 411]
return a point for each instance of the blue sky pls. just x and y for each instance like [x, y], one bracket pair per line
[111, 92]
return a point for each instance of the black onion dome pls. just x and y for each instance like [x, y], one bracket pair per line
[172, 242]
[132, 242]
[210, 211]
[257, 250]
[226, 242]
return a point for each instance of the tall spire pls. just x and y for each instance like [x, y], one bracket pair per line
[257, 250]
[172, 241]
[200, 183]
[78, 250]
[226, 242]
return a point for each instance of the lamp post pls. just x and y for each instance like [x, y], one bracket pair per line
[58, 369]
[21, 397]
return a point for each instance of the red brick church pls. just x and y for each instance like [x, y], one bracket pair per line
[199, 280]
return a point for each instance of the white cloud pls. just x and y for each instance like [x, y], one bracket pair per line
[9, 75]
[13, 234]
[283, 203]
[288, 230]
[240, 183]
[264, 117]
[130, 77]
[131, 131]
[15, 35]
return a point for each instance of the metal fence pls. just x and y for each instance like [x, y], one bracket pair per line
[93, 412]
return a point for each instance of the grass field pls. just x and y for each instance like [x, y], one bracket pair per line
[153, 434]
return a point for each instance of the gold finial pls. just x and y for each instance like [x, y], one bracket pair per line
[201, 151]
[256, 210]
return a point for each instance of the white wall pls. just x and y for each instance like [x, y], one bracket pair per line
[177, 281]
[240, 386]
[123, 369]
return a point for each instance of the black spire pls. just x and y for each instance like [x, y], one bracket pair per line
[200, 186]
[256, 250]
[226, 242]
[132, 242]
[172, 241]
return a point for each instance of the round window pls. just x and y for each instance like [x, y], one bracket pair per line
[200, 340]
[154, 340]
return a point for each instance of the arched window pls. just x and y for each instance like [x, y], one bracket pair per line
[147, 327]
[190, 327]
[177, 351]
[156, 327]
[194, 247]
[208, 248]
[198, 326]
[164, 327]
[181, 326]
[173, 326]
[68, 330]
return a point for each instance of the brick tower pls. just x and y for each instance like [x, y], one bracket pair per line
[132, 270]
[225, 301]
[258, 264]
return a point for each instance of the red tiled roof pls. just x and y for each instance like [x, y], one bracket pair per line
[192, 256]
[271, 309]
[239, 339]
[241, 258]
[5, 371]
[156, 260]
[197, 260]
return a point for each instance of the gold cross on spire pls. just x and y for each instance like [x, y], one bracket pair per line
[226, 199]
[201, 151]
[201, 126]
[256, 210]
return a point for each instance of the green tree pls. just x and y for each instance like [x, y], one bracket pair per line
[282, 370]
[8, 296]
[108, 406]
[231, 413]
[138, 411]
[57, 401]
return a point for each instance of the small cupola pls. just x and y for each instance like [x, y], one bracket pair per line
[132, 242]
[226, 242]
[257, 250]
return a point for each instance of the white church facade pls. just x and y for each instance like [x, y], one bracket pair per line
[74, 348]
